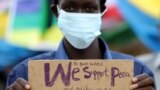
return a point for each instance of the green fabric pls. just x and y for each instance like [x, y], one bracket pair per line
[120, 35]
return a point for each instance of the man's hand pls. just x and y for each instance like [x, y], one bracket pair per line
[143, 82]
[19, 84]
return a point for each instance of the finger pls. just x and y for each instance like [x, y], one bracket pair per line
[146, 82]
[17, 86]
[146, 88]
[9, 88]
[14, 87]
[23, 83]
[139, 78]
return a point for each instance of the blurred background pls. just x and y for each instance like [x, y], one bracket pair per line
[28, 28]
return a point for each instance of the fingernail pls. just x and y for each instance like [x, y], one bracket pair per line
[27, 86]
[134, 86]
[135, 79]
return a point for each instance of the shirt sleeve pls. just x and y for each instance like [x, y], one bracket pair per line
[141, 68]
[147, 71]
[21, 70]
[18, 72]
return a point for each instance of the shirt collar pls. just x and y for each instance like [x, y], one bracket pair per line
[62, 54]
[103, 44]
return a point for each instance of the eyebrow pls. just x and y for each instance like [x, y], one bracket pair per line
[73, 2]
[70, 2]
[91, 4]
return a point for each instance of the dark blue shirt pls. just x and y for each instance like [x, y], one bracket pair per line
[21, 70]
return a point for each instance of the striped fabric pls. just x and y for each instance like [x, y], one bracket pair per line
[144, 17]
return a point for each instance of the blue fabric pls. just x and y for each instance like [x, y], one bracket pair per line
[21, 70]
[10, 55]
[143, 25]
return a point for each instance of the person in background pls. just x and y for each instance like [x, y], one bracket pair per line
[80, 22]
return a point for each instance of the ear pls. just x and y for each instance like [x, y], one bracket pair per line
[103, 7]
[54, 10]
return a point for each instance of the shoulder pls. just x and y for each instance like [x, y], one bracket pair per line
[118, 55]
[139, 67]
[45, 56]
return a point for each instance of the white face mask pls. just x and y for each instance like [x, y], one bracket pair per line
[80, 29]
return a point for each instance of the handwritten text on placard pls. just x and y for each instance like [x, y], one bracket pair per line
[80, 75]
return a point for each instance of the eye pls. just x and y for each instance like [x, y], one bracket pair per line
[70, 9]
[89, 9]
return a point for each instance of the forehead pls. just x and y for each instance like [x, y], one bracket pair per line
[79, 1]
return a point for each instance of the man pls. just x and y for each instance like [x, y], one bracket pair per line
[80, 22]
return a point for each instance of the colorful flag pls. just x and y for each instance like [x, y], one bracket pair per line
[28, 22]
[144, 17]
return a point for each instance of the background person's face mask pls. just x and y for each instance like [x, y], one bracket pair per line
[80, 29]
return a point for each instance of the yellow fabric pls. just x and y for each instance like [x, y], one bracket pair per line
[150, 7]
[3, 23]
[25, 38]
[53, 35]
[33, 37]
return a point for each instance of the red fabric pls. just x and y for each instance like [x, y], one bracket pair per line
[114, 13]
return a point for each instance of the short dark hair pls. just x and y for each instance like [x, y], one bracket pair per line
[102, 3]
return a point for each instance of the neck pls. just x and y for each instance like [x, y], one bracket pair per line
[92, 52]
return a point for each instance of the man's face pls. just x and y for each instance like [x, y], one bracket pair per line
[80, 6]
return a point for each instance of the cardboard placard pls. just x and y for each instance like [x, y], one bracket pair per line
[80, 74]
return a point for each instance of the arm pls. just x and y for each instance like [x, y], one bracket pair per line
[17, 78]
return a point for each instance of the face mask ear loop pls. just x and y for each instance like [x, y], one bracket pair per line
[104, 11]
[58, 9]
